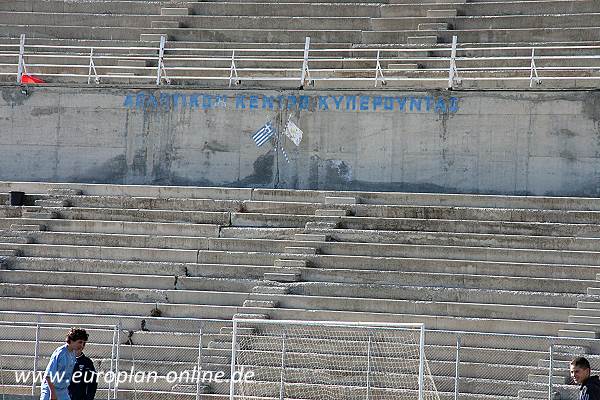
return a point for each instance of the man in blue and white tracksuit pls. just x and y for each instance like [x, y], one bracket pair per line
[581, 373]
[57, 376]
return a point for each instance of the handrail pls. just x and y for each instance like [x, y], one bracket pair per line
[451, 63]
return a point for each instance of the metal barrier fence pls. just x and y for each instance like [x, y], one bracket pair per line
[508, 365]
[181, 362]
[141, 364]
[446, 66]
[27, 347]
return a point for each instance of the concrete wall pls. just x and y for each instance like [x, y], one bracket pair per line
[543, 143]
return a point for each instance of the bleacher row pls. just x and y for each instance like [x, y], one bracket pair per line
[98, 254]
[207, 32]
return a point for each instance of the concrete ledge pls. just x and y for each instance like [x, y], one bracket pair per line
[104, 253]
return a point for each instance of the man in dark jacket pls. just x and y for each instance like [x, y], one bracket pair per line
[590, 385]
[85, 381]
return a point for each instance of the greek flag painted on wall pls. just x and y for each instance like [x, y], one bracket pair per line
[263, 134]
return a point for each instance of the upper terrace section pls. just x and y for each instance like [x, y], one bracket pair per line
[398, 43]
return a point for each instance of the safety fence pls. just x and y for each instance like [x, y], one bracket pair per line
[190, 359]
[130, 364]
[441, 66]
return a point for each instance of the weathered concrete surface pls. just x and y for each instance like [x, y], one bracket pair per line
[542, 143]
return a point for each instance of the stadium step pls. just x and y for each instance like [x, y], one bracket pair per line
[153, 37]
[28, 227]
[9, 253]
[594, 291]
[287, 263]
[433, 26]
[422, 40]
[260, 303]
[64, 192]
[52, 203]
[228, 330]
[37, 214]
[341, 200]
[270, 290]
[537, 394]
[15, 239]
[448, 13]
[165, 24]
[330, 212]
[319, 225]
[174, 11]
[250, 316]
[282, 276]
[543, 379]
[301, 250]
[310, 237]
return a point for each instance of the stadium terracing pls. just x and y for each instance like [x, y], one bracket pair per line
[443, 169]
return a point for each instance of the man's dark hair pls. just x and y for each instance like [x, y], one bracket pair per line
[76, 334]
[580, 362]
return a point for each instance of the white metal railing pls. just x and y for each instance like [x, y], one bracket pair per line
[447, 66]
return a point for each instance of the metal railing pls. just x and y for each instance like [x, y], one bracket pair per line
[460, 364]
[445, 66]
[23, 340]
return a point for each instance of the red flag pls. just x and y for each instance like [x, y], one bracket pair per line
[31, 79]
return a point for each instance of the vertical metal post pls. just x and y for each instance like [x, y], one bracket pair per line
[161, 53]
[457, 367]
[282, 372]
[305, 71]
[379, 71]
[199, 365]
[35, 356]
[116, 385]
[112, 358]
[369, 368]
[92, 68]
[550, 372]
[533, 70]
[21, 66]
[233, 69]
[452, 70]
[422, 363]
[233, 348]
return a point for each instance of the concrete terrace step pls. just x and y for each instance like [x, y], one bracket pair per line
[123, 280]
[439, 212]
[332, 213]
[361, 284]
[27, 227]
[282, 276]
[104, 253]
[522, 203]
[411, 221]
[52, 203]
[114, 240]
[132, 215]
[296, 9]
[407, 250]
[133, 323]
[121, 227]
[301, 250]
[9, 252]
[15, 239]
[517, 35]
[488, 8]
[126, 309]
[465, 239]
[477, 267]
[152, 203]
[184, 271]
[422, 292]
